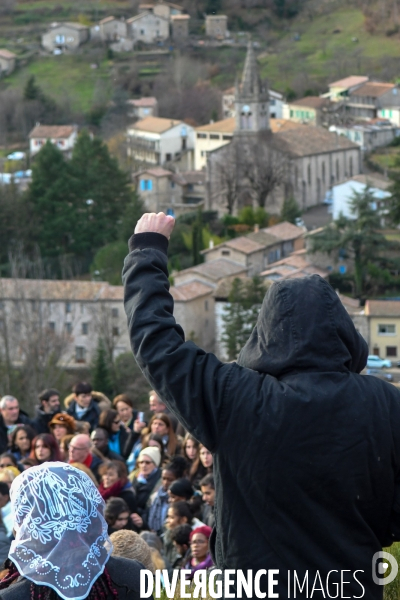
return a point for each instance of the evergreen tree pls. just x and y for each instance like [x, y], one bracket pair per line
[133, 211]
[290, 210]
[31, 90]
[197, 238]
[101, 194]
[101, 373]
[240, 315]
[360, 239]
[52, 203]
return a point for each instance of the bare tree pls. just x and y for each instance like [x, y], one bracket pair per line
[265, 167]
[224, 175]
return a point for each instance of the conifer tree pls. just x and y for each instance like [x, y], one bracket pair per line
[101, 373]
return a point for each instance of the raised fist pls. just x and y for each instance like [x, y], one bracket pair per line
[155, 223]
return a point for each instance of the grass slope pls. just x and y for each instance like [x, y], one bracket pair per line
[322, 55]
[68, 78]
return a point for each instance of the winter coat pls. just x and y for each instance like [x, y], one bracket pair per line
[306, 450]
[91, 415]
[124, 573]
[23, 419]
[42, 419]
[101, 400]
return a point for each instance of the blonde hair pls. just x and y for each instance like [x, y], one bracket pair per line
[129, 544]
[8, 474]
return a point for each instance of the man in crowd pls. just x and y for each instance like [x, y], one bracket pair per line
[10, 417]
[80, 451]
[306, 450]
[100, 437]
[207, 487]
[49, 405]
[84, 407]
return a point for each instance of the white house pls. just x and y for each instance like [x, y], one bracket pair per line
[369, 134]
[343, 193]
[62, 136]
[156, 141]
[391, 113]
[212, 136]
[141, 108]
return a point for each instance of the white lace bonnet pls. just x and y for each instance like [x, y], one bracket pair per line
[61, 535]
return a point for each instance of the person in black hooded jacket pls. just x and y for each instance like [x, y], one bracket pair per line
[306, 450]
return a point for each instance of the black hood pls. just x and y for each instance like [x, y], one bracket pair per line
[303, 326]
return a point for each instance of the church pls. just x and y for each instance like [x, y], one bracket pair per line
[269, 160]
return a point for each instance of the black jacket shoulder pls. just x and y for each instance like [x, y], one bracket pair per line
[124, 573]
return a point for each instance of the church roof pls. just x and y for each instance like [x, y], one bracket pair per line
[307, 140]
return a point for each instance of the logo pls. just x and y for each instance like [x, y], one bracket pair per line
[381, 561]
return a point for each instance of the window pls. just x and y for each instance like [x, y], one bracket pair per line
[337, 171]
[206, 305]
[80, 354]
[68, 307]
[385, 329]
[226, 137]
[114, 313]
[172, 184]
[142, 32]
[202, 136]
[115, 331]
[323, 172]
[391, 350]
[214, 136]
[68, 327]
[309, 174]
[291, 114]
[226, 252]
[146, 185]
[52, 326]
[168, 156]
[85, 328]
[351, 166]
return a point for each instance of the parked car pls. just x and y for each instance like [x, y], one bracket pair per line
[378, 373]
[374, 362]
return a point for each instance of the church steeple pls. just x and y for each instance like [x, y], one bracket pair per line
[251, 99]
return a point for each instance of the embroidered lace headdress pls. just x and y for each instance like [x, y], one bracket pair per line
[61, 535]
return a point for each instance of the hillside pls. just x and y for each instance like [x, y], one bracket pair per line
[325, 40]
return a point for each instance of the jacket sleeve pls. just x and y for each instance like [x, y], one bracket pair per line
[189, 380]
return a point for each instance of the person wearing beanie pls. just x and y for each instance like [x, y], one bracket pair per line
[145, 482]
[181, 489]
[200, 557]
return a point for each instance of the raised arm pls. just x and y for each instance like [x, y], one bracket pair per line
[190, 381]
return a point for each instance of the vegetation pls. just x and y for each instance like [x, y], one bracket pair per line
[362, 241]
[244, 303]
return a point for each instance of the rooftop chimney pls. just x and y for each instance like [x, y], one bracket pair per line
[211, 244]
[256, 228]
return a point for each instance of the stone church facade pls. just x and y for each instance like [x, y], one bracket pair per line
[269, 160]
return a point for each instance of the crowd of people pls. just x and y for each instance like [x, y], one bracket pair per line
[156, 479]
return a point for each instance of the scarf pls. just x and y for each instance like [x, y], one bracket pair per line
[114, 490]
[61, 538]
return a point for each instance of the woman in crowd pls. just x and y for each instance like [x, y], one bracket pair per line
[115, 483]
[78, 555]
[8, 460]
[160, 424]
[200, 557]
[145, 482]
[179, 513]
[160, 501]
[120, 437]
[117, 515]
[45, 448]
[124, 406]
[191, 451]
[61, 425]
[206, 459]
[21, 441]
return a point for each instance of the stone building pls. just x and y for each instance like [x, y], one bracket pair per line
[264, 165]
[216, 26]
[7, 62]
[148, 28]
[179, 27]
[65, 36]
[112, 29]
[143, 107]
